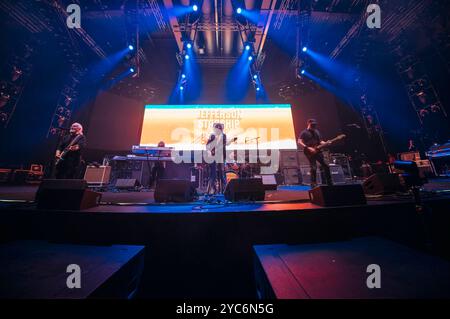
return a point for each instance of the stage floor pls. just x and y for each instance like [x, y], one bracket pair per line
[285, 198]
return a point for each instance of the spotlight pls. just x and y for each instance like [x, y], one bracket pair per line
[132, 70]
[183, 76]
[258, 89]
[186, 56]
[239, 10]
[302, 71]
[305, 49]
[188, 45]
[255, 76]
[250, 58]
[247, 47]
[181, 88]
[195, 7]
[130, 47]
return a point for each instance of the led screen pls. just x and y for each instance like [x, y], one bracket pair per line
[187, 127]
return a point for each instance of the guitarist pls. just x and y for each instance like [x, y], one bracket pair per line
[309, 140]
[68, 153]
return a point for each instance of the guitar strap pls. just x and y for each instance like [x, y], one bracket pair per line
[74, 140]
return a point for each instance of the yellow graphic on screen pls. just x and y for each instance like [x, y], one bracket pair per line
[188, 127]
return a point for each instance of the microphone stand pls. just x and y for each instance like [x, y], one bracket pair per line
[257, 151]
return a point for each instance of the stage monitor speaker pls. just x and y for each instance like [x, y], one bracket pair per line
[340, 195]
[66, 194]
[126, 183]
[379, 184]
[174, 190]
[245, 189]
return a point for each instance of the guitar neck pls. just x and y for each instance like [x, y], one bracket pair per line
[329, 143]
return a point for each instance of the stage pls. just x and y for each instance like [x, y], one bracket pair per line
[164, 149]
[284, 198]
[206, 250]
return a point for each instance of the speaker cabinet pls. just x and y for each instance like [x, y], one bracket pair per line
[337, 174]
[341, 195]
[306, 175]
[248, 189]
[379, 184]
[288, 159]
[97, 175]
[174, 190]
[66, 194]
[291, 176]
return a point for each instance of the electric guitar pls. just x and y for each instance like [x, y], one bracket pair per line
[317, 148]
[67, 149]
[211, 146]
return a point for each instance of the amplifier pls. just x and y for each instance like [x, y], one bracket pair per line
[425, 168]
[291, 176]
[342, 160]
[337, 174]
[306, 175]
[131, 169]
[288, 159]
[303, 160]
[409, 156]
[97, 175]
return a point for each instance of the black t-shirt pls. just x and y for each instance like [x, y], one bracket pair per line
[76, 155]
[224, 144]
[311, 138]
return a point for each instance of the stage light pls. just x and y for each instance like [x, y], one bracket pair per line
[195, 7]
[183, 76]
[188, 45]
[186, 56]
[239, 10]
[130, 47]
[258, 89]
[132, 70]
[302, 71]
[250, 58]
[255, 76]
[247, 47]
[305, 49]
[181, 87]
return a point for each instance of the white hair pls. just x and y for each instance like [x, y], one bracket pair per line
[80, 127]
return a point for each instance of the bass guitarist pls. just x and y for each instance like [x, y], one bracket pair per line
[68, 153]
[310, 139]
